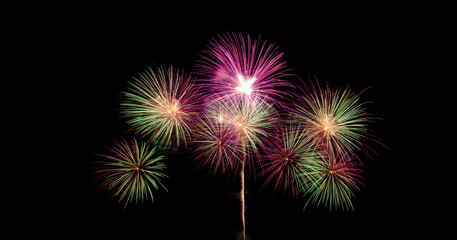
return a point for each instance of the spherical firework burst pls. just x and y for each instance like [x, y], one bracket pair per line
[218, 148]
[332, 180]
[237, 66]
[249, 118]
[335, 119]
[131, 171]
[162, 104]
[284, 155]
[231, 130]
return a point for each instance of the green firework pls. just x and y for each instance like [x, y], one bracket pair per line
[285, 153]
[331, 180]
[335, 119]
[162, 105]
[250, 118]
[131, 172]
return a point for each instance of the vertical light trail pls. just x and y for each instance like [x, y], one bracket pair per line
[242, 189]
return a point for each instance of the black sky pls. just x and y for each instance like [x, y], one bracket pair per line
[103, 49]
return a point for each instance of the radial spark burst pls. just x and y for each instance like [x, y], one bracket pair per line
[284, 155]
[162, 104]
[218, 148]
[250, 118]
[243, 124]
[131, 171]
[335, 119]
[238, 66]
[332, 180]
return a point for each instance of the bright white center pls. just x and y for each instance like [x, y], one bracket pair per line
[328, 125]
[244, 85]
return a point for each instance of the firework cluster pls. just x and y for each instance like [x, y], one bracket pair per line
[315, 153]
[241, 109]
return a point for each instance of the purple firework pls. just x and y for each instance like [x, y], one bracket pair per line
[235, 65]
[232, 131]
[218, 146]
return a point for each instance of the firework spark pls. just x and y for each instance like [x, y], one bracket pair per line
[131, 172]
[335, 119]
[218, 147]
[284, 155]
[332, 180]
[162, 104]
[235, 66]
[250, 118]
[231, 130]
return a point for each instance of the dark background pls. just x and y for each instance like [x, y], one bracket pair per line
[98, 50]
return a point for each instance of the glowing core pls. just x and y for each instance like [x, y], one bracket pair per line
[172, 108]
[245, 84]
[328, 124]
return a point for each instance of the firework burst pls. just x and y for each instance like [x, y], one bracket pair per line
[131, 171]
[335, 119]
[235, 66]
[231, 130]
[249, 118]
[332, 180]
[162, 104]
[284, 156]
[217, 145]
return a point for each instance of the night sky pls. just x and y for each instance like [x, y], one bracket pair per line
[104, 49]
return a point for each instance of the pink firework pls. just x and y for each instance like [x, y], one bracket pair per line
[284, 156]
[233, 130]
[218, 146]
[235, 65]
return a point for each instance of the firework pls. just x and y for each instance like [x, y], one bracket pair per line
[235, 66]
[131, 171]
[162, 104]
[332, 180]
[232, 129]
[335, 119]
[249, 118]
[284, 156]
[218, 147]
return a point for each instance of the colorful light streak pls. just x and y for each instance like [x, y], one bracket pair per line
[131, 172]
[162, 104]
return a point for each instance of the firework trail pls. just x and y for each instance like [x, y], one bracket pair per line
[233, 130]
[237, 66]
[162, 104]
[131, 171]
[242, 76]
